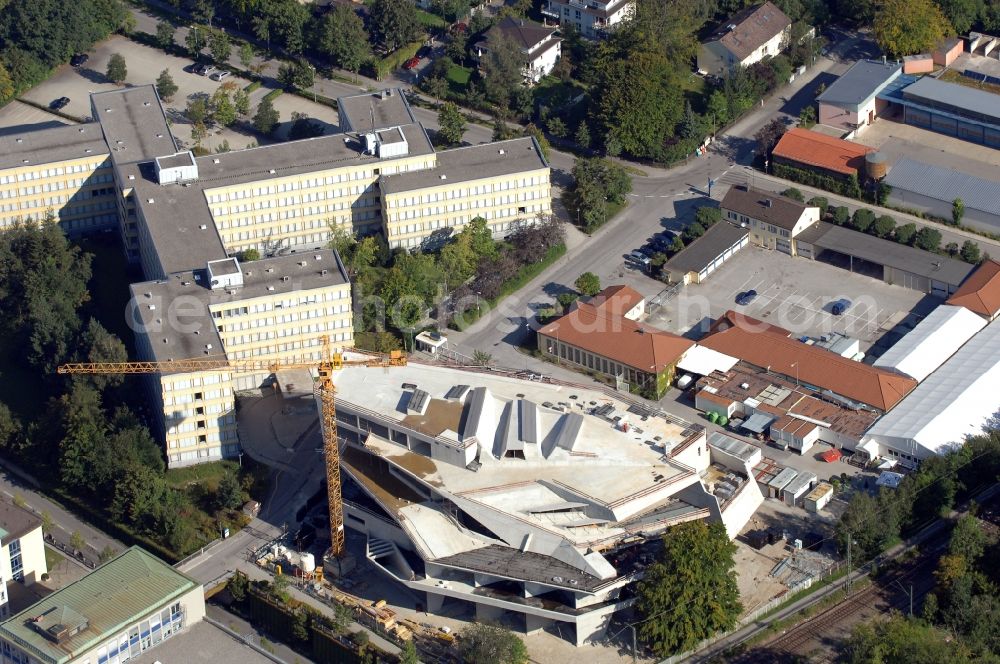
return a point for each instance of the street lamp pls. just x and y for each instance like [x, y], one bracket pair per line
[910, 593]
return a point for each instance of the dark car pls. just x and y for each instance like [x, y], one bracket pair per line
[59, 103]
[424, 52]
[746, 297]
[79, 59]
[840, 306]
[203, 69]
[411, 63]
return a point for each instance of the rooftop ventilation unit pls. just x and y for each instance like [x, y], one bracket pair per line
[323, 272]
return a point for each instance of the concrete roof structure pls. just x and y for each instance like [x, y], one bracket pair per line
[551, 460]
[172, 309]
[968, 101]
[15, 522]
[766, 206]
[113, 596]
[388, 107]
[603, 332]
[886, 252]
[474, 162]
[953, 402]
[818, 367]
[945, 184]
[22, 146]
[746, 30]
[703, 361]
[862, 81]
[980, 293]
[928, 345]
[134, 124]
[821, 151]
[202, 643]
[694, 257]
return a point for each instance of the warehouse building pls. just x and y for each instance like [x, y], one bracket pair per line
[948, 108]
[853, 102]
[934, 339]
[126, 606]
[933, 190]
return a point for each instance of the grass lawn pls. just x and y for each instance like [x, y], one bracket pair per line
[429, 20]
[696, 91]
[52, 558]
[207, 474]
[458, 78]
[556, 93]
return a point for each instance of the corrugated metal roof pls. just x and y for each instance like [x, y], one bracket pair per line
[864, 79]
[116, 594]
[928, 345]
[946, 185]
[960, 97]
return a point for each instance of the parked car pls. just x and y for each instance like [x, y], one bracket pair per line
[424, 52]
[411, 63]
[637, 256]
[840, 306]
[219, 75]
[746, 297]
[59, 103]
[203, 69]
[79, 59]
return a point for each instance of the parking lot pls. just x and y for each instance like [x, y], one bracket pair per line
[144, 65]
[793, 293]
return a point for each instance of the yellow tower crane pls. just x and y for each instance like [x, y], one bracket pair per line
[324, 389]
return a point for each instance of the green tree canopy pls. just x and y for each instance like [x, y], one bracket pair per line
[265, 120]
[220, 46]
[588, 283]
[343, 38]
[117, 71]
[690, 593]
[165, 86]
[223, 111]
[482, 643]
[970, 252]
[394, 23]
[928, 239]
[502, 66]
[165, 34]
[905, 27]
[452, 124]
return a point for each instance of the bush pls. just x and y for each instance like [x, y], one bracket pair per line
[849, 187]
[251, 87]
[841, 215]
[272, 95]
[904, 234]
[793, 194]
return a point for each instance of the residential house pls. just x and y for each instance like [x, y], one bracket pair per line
[852, 102]
[774, 220]
[593, 19]
[747, 37]
[538, 43]
[599, 335]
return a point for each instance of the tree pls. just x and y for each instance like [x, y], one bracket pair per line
[884, 226]
[229, 495]
[107, 553]
[928, 239]
[957, 211]
[963, 14]
[195, 40]
[582, 136]
[841, 215]
[970, 252]
[99, 345]
[483, 643]
[393, 23]
[165, 86]
[717, 109]
[819, 201]
[165, 34]
[566, 299]
[480, 238]
[47, 523]
[902, 641]
[502, 65]
[862, 220]
[807, 117]
[556, 127]
[536, 133]
[237, 586]
[300, 625]
[220, 47]
[482, 358]
[794, 194]
[905, 233]
[117, 71]
[869, 523]
[77, 541]
[588, 283]
[197, 110]
[452, 124]
[246, 54]
[408, 655]
[768, 136]
[343, 39]
[266, 119]
[690, 593]
[690, 125]
[241, 102]
[905, 27]
[304, 127]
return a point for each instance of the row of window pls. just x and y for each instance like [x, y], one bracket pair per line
[208, 438]
[470, 205]
[353, 206]
[290, 201]
[256, 337]
[466, 192]
[55, 171]
[286, 348]
[508, 213]
[304, 298]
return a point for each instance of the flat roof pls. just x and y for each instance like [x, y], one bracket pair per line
[46, 145]
[815, 149]
[700, 253]
[15, 522]
[134, 125]
[864, 79]
[389, 107]
[960, 97]
[886, 252]
[182, 300]
[936, 338]
[178, 211]
[475, 162]
[114, 595]
[202, 643]
[733, 446]
[945, 184]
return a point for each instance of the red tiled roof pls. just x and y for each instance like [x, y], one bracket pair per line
[980, 293]
[616, 299]
[733, 318]
[827, 152]
[875, 387]
[602, 330]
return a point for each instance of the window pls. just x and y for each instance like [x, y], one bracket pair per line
[16, 562]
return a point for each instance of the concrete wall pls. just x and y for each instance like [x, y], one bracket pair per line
[741, 508]
[916, 201]
[918, 64]
[944, 57]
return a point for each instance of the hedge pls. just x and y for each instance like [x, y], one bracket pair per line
[251, 87]
[812, 179]
[396, 59]
[272, 95]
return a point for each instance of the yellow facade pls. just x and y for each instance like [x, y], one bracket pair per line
[199, 416]
[79, 192]
[299, 210]
[411, 217]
